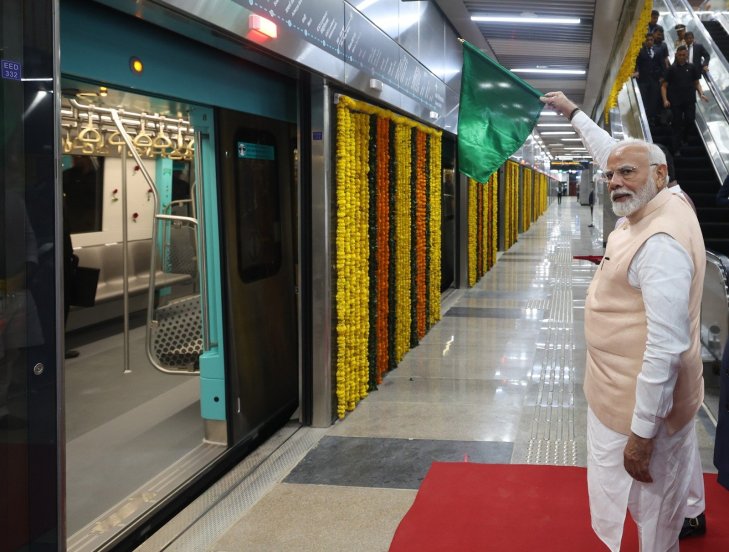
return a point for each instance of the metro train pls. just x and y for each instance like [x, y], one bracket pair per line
[196, 187]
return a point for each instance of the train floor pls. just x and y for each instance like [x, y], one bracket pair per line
[497, 380]
[122, 429]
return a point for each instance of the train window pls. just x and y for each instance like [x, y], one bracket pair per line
[83, 186]
[258, 205]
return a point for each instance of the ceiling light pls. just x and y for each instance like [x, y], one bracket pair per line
[554, 124]
[520, 19]
[550, 71]
[548, 113]
[555, 132]
[571, 139]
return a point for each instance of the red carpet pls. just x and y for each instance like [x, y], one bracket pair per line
[477, 507]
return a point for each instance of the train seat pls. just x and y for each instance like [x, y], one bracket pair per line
[108, 258]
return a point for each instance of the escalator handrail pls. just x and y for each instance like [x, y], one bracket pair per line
[722, 264]
[647, 136]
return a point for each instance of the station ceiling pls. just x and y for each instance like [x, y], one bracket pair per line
[585, 46]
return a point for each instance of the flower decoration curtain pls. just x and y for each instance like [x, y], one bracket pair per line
[511, 203]
[388, 243]
[483, 220]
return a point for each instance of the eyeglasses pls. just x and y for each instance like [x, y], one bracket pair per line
[627, 173]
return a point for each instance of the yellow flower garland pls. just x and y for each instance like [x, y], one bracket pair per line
[435, 228]
[472, 225]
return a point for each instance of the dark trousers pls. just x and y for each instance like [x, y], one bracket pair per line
[650, 92]
[684, 115]
[721, 445]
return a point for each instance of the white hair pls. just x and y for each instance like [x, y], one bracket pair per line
[655, 154]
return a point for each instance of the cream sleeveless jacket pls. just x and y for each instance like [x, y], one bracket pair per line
[615, 318]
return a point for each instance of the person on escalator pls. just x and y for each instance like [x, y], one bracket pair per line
[653, 23]
[697, 54]
[678, 90]
[680, 29]
[648, 72]
[660, 47]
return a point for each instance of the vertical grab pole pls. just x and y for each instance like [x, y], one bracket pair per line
[201, 247]
[125, 257]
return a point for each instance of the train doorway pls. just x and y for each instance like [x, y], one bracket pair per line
[134, 190]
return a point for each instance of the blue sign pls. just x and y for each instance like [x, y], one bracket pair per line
[317, 135]
[11, 70]
[248, 150]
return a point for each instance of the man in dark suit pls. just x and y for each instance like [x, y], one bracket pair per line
[697, 54]
[648, 71]
[678, 90]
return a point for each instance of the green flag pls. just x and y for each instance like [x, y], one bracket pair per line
[498, 111]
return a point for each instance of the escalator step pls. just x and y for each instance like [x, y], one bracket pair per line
[715, 230]
[713, 214]
[701, 200]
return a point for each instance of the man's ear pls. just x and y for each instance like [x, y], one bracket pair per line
[662, 171]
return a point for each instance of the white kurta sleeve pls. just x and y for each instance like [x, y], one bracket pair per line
[597, 141]
[662, 270]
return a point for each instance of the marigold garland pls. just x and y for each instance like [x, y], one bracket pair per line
[388, 239]
[434, 222]
[482, 227]
[472, 231]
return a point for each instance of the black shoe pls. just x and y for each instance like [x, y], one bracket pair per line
[71, 353]
[693, 527]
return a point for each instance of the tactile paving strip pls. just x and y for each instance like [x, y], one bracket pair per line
[552, 437]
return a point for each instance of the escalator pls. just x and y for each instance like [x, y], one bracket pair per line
[718, 34]
[704, 161]
[697, 178]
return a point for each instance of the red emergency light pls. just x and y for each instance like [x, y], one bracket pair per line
[260, 28]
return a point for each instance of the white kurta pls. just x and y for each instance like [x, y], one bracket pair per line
[677, 491]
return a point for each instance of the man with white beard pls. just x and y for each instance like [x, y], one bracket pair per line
[644, 374]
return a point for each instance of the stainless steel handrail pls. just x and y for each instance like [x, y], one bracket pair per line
[647, 136]
[155, 195]
[722, 264]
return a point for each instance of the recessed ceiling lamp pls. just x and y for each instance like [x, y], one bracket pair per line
[555, 132]
[554, 124]
[537, 70]
[526, 18]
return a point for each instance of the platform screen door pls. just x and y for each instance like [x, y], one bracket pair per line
[31, 311]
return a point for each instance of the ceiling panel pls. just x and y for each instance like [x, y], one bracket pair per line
[561, 46]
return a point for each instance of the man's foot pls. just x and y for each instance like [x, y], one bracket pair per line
[693, 527]
[71, 353]
[591, 226]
